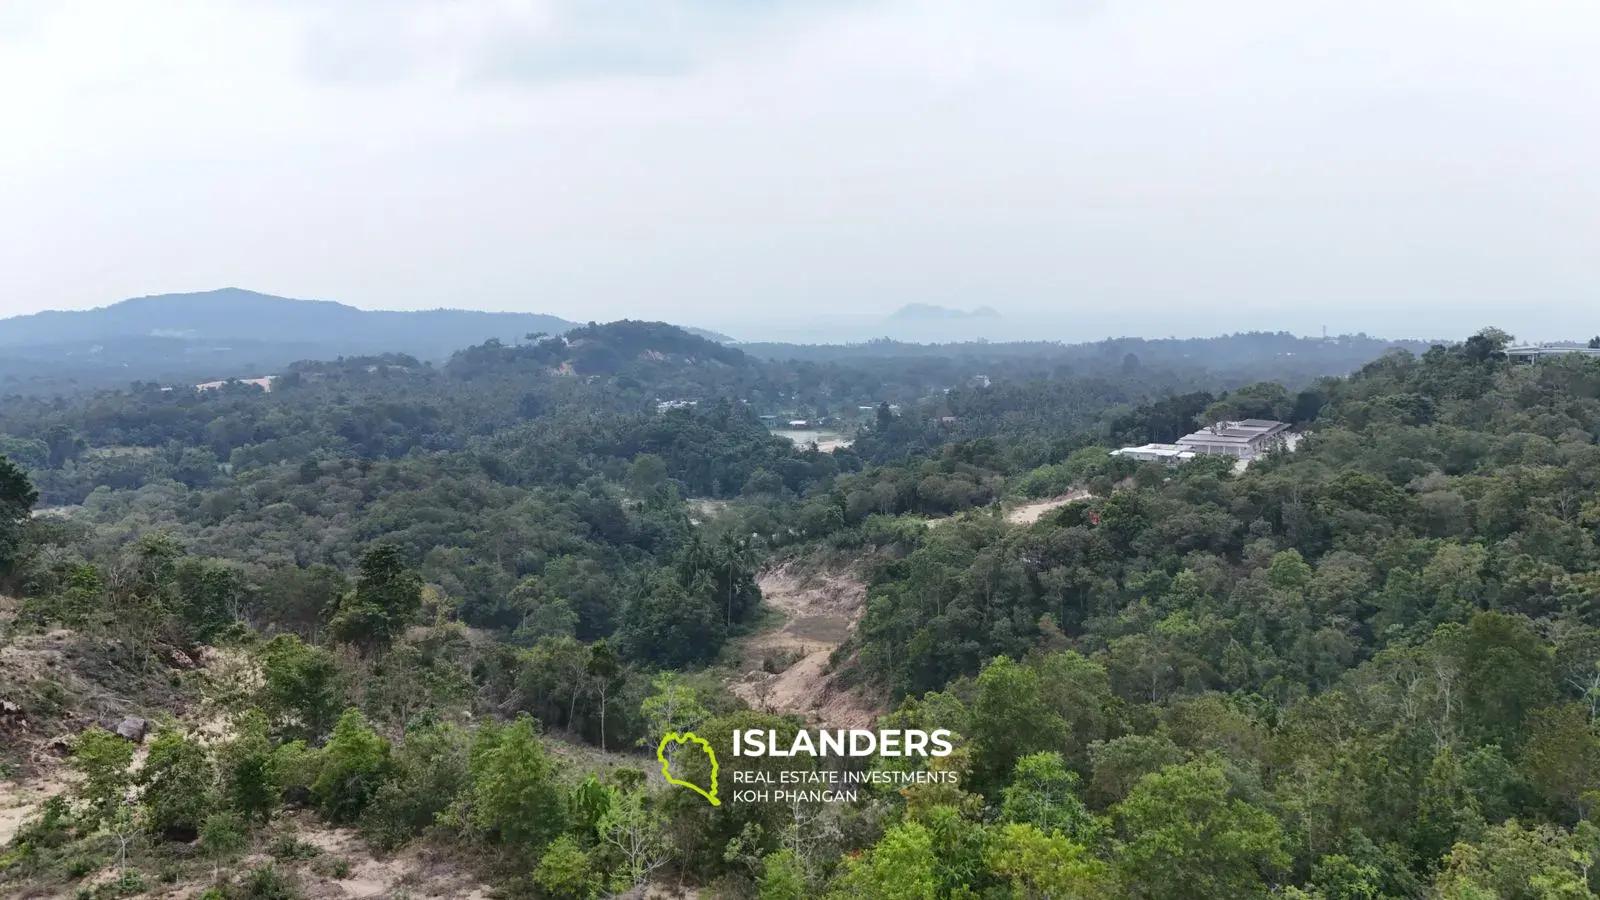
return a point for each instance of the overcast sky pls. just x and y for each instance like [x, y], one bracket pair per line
[1402, 167]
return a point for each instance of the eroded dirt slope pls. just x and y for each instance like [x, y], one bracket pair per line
[820, 612]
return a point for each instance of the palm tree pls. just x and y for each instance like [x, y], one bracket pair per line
[735, 559]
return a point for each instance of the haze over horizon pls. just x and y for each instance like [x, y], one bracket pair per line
[1414, 168]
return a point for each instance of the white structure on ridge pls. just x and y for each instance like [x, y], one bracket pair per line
[1167, 453]
[1245, 439]
[1535, 352]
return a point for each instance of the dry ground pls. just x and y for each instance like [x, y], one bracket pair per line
[1029, 513]
[820, 612]
[20, 799]
[418, 870]
[53, 686]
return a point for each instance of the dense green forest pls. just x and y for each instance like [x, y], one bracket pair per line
[573, 402]
[453, 608]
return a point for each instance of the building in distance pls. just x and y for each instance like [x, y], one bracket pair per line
[1162, 453]
[1535, 352]
[1244, 440]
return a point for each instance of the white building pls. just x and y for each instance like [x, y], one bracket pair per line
[1245, 439]
[1535, 352]
[1162, 453]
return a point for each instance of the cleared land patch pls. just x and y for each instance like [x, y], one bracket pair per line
[784, 668]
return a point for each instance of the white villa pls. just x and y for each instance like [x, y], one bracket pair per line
[1244, 440]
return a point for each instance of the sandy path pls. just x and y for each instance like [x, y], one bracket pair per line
[1029, 513]
[1026, 513]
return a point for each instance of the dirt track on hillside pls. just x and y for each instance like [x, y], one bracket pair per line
[1029, 513]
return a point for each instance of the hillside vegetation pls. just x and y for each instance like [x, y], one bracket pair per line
[401, 628]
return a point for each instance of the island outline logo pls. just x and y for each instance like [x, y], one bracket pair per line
[672, 737]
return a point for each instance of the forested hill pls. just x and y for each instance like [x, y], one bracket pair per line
[215, 334]
[1378, 653]
[232, 333]
[233, 314]
[1293, 357]
[610, 349]
[452, 609]
[392, 405]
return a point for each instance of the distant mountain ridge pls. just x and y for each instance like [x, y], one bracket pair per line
[934, 324]
[709, 335]
[233, 314]
[928, 312]
[230, 333]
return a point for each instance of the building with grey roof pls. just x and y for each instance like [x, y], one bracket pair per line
[1162, 453]
[1245, 439]
[1534, 352]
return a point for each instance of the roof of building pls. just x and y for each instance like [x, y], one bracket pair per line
[1162, 450]
[1245, 431]
[1552, 348]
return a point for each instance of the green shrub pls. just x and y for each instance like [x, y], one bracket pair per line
[337, 867]
[294, 770]
[429, 773]
[129, 883]
[565, 873]
[263, 883]
[286, 848]
[177, 793]
[354, 765]
[782, 877]
[516, 793]
[252, 781]
[267, 883]
[222, 836]
[303, 690]
[1045, 481]
[102, 759]
[49, 829]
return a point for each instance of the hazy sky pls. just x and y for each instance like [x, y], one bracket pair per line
[1403, 167]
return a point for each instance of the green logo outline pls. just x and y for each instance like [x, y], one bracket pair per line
[661, 754]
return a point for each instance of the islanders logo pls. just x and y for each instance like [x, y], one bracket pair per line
[666, 766]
